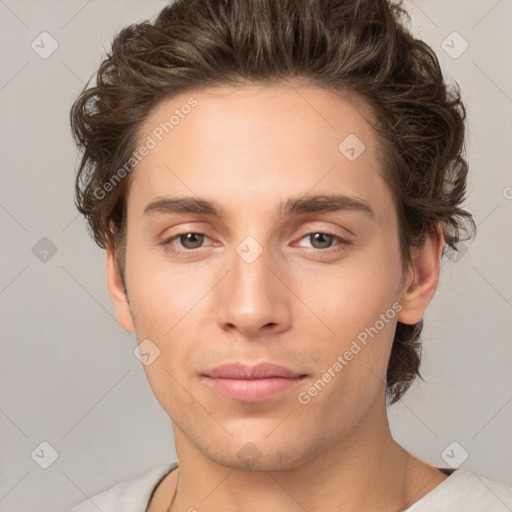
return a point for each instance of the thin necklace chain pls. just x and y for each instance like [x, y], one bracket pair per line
[175, 492]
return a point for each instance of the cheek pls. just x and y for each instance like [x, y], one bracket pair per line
[349, 296]
[356, 307]
[167, 308]
[163, 295]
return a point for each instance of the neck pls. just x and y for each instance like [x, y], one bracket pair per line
[364, 470]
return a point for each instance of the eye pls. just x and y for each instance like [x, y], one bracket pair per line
[191, 241]
[188, 240]
[323, 241]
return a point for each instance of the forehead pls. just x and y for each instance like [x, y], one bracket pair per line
[258, 141]
[225, 113]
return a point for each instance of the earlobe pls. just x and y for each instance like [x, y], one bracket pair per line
[117, 292]
[422, 280]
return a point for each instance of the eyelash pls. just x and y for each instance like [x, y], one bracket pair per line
[190, 252]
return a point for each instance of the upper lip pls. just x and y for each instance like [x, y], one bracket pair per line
[258, 371]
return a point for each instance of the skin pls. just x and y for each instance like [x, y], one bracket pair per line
[298, 304]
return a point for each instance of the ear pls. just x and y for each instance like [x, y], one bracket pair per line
[116, 291]
[422, 280]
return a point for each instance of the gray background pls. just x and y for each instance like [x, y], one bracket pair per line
[68, 373]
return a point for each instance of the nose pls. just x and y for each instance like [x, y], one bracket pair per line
[253, 298]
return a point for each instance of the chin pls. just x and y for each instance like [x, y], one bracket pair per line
[259, 454]
[272, 462]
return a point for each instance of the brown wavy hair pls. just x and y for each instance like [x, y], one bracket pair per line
[358, 47]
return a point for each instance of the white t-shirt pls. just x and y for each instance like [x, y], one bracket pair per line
[462, 491]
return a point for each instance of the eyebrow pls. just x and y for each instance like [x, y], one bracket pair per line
[323, 203]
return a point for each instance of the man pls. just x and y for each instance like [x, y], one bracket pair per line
[274, 184]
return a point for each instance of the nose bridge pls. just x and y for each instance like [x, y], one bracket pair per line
[250, 297]
[250, 277]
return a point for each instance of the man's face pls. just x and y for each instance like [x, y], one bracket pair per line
[260, 285]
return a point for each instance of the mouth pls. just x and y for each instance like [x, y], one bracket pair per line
[256, 383]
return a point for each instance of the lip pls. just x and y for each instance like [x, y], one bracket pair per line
[256, 383]
[245, 371]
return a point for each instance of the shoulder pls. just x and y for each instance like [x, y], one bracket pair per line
[466, 491]
[129, 495]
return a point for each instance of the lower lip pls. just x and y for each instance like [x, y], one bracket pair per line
[252, 390]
